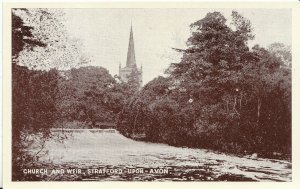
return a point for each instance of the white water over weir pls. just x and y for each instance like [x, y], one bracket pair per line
[83, 130]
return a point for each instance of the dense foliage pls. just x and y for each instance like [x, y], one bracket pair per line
[33, 94]
[221, 95]
[91, 95]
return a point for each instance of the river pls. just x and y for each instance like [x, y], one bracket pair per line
[89, 151]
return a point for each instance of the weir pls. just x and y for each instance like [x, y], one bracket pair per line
[83, 130]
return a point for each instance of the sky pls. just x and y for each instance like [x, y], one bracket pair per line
[104, 33]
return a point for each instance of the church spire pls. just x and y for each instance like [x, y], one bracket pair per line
[131, 54]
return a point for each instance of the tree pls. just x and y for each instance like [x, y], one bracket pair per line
[90, 94]
[22, 36]
[137, 114]
[234, 85]
[34, 92]
[47, 27]
[283, 52]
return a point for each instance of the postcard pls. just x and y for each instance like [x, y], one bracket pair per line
[176, 94]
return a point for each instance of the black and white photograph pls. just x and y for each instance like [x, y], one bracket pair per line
[151, 94]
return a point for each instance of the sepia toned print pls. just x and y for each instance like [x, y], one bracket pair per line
[151, 95]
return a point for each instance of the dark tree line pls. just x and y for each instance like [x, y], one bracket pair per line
[33, 96]
[221, 95]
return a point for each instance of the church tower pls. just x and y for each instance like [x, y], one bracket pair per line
[130, 70]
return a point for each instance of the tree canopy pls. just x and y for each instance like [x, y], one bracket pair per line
[46, 40]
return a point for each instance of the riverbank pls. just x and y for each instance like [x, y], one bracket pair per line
[246, 154]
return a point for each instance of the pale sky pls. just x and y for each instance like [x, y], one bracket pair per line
[105, 33]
